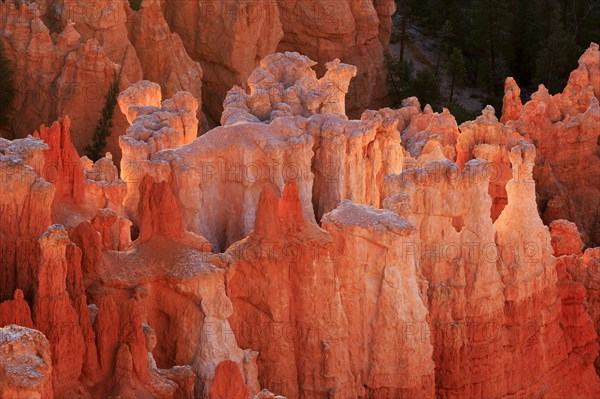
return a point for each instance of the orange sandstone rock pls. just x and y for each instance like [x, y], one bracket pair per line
[228, 39]
[155, 126]
[25, 364]
[428, 126]
[348, 30]
[462, 287]
[511, 103]
[228, 382]
[568, 180]
[62, 166]
[54, 313]
[566, 239]
[390, 351]
[16, 311]
[487, 138]
[302, 341]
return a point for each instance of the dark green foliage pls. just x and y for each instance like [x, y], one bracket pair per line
[457, 70]
[444, 35]
[404, 83]
[95, 151]
[135, 5]
[461, 114]
[400, 77]
[557, 56]
[426, 87]
[534, 41]
[7, 87]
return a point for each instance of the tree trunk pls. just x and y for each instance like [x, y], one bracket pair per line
[392, 78]
[452, 87]
[404, 27]
[492, 52]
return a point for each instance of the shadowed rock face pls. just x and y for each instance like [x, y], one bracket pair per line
[297, 251]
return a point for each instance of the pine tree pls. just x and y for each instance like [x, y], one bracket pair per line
[426, 87]
[135, 5]
[490, 31]
[557, 56]
[104, 126]
[444, 35]
[405, 12]
[456, 69]
[7, 87]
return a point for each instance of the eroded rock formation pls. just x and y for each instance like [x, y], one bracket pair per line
[230, 39]
[25, 365]
[487, 138]
[55, 74]
[564, 128]
[66, 54]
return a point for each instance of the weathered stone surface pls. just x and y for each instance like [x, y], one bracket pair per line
[155, 125]
[16, 311]
[528, 272]
[161, 53]
[345, 29]
[62, 166]
[25, 364]
[431, 126]
[228, 382]
[511, 103]
[64, 76]
[302, 341]
[228, 39]
[285, 85]
[578, 292]
[390, 354]
[25, 212]
[564, 128]
[70, 72]
[462, 287]
[487, 138]
[566, 239]
[54, 314]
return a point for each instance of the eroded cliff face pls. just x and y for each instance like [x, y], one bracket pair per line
[452, 247]
[55, 74]
[379, 285]
[230, 39]
[45, 270]
[298, 251]
[564, 128]
[66, 54]
[357, 32]
[487, 138]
